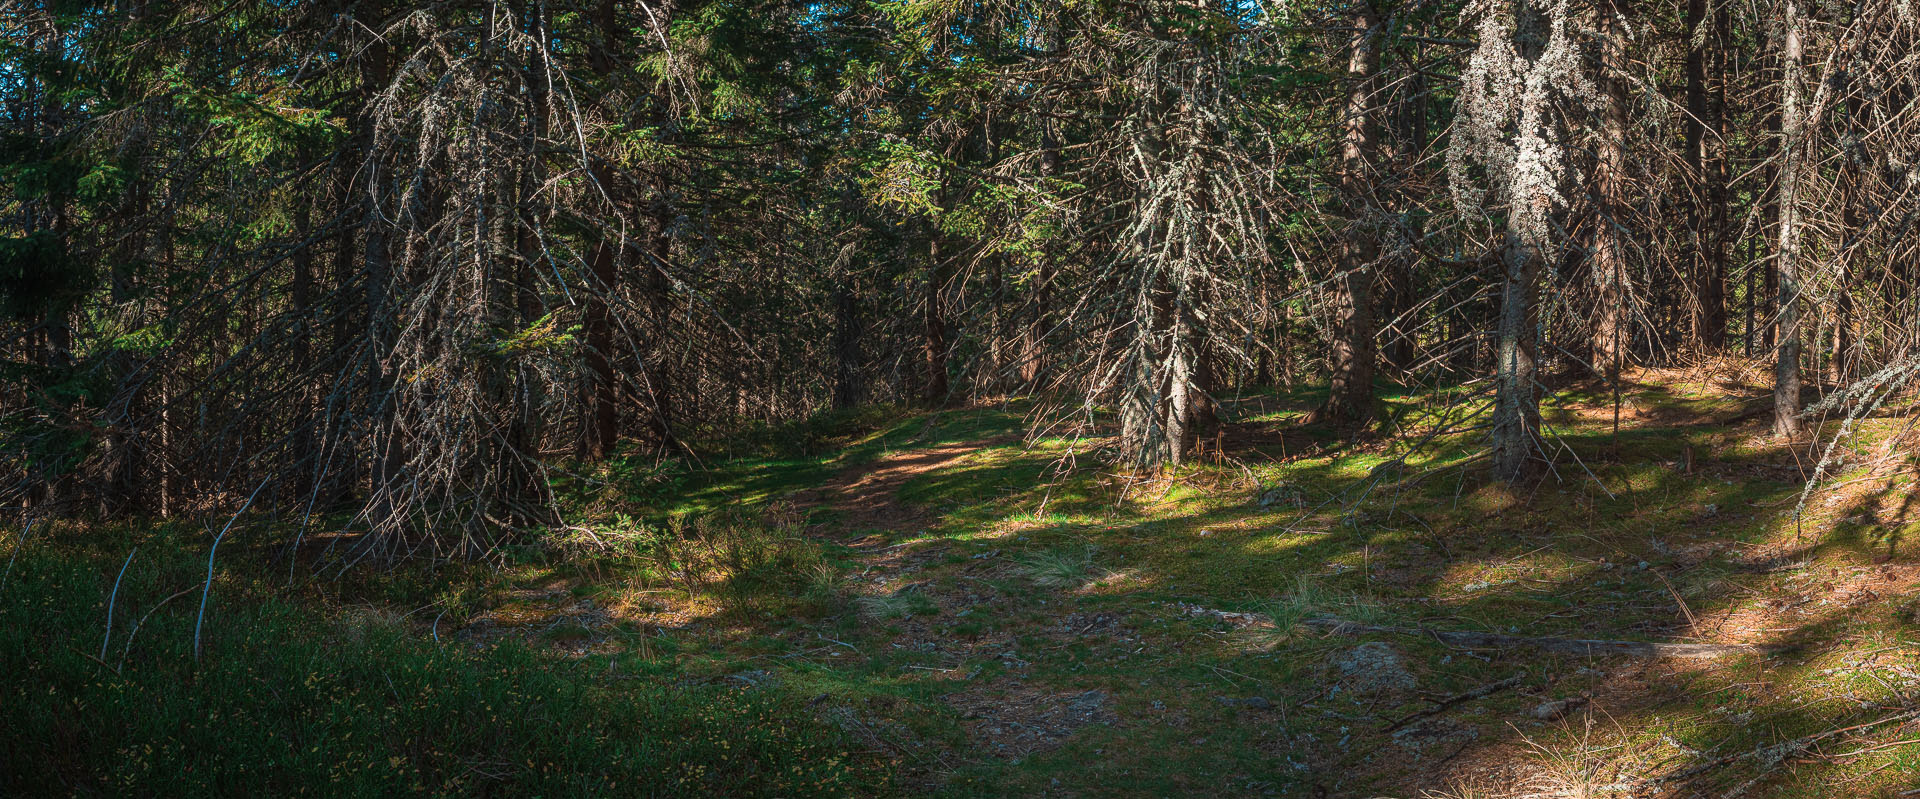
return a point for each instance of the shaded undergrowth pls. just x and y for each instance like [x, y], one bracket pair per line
[270, 697]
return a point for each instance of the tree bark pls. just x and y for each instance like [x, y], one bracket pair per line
[1353, 357]
[1610, 178]
[1706, 212]
[1786, 374]
[603, 404]
[388, 454]
[847, 391]
[604, 412]
[1516, 411]
[935, 391]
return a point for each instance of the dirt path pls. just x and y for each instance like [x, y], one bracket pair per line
[867, 495]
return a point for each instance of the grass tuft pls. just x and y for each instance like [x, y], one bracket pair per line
[1062, 568]
[897, 605]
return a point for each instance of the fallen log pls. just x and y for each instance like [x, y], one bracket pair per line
[1566, 646]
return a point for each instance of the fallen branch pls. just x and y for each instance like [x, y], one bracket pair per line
[1478, 693]
[1774, 754]
[1565, 646]
[110, 600]
[204, 592]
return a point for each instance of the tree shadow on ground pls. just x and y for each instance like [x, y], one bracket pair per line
[1636, 545]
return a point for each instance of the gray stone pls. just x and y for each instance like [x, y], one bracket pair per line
[1285, 495]
[1373, 669]
[1549, 711]
[1088, 704]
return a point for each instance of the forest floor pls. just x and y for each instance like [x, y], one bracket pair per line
[987, 613]
[1010, 627]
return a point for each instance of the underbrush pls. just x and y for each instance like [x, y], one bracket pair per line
[751, 561]
[281, 700]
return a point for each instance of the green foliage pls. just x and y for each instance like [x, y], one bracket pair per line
[543, 335]
[746, 557]
[252, 128]
[284, 703]
[905, 178]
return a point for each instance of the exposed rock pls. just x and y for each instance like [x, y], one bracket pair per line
[1250, 702]
[1088, 705]
[1285, 495]
[1439, 736]
[1549, 711]
[1373, 669]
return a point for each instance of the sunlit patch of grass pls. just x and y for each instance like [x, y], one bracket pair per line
[1029, 561]
[1070, 567]
[1310, 598]
[1584, 764]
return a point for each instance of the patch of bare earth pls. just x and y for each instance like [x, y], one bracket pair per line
[1015, 719]
[1009, 717]
[867, 495]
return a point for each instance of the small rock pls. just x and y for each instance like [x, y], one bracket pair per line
[754, 677]
[1556, 709]
[1373, 668]
[1283, 495]
[1088, 703]
[1206, 533]
[1434, 733]
[1251, 702]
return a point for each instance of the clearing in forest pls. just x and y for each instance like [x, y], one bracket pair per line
[1341, 619]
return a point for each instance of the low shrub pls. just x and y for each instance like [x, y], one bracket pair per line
[283, 700]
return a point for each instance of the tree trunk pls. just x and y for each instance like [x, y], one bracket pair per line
[1350, 396]
[1516, 411]
[659, 290]
[1033, 358]
[935, 391]
[1401, 343]
[1853, 222]
[602, 434]
[387, 453]
[1610, 177]
[1786, 373]
[1516, 415]
[604, 413]
[847, 391]
[1706, 212]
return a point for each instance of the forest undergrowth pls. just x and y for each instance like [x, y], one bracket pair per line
[895, 602]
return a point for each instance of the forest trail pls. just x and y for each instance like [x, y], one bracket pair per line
[866, 496]
[1007, 715]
